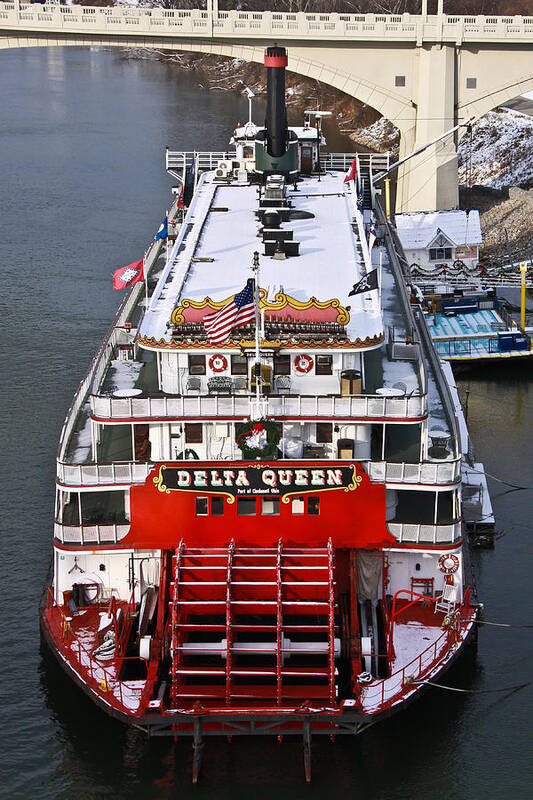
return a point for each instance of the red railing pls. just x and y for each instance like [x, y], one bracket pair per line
[104, 678]
[385, 691]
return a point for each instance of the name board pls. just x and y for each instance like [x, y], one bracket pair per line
[257, 480]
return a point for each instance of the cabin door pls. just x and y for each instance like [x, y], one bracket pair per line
[306, 159]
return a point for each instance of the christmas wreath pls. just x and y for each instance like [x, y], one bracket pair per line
[257, 439]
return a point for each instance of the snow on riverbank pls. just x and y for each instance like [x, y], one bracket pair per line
[502, 151]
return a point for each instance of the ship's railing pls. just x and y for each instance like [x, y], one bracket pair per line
[100, 361]
[90, 534]
[198, 406]
[267, 24]
[178, 160]
[382, 693]
[416, 533]
[428, 472]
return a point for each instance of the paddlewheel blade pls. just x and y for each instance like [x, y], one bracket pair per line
[253, 626]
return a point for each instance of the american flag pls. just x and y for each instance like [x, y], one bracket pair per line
[237, 312]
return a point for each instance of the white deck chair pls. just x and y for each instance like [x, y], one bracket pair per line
[448, 599]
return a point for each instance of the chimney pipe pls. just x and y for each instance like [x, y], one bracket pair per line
[276, 110]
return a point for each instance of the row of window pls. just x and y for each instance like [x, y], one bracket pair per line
[248, 506]
[440, 253]
[282, 365]
[194, 432]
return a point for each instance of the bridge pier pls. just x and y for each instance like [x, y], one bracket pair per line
[429, 181]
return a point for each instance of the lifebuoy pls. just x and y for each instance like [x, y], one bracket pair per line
[218, 362]
[303, 363]
[448, 563]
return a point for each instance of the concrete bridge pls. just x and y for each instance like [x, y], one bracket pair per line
[425, 73]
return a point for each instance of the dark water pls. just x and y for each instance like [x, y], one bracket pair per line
[82, 190]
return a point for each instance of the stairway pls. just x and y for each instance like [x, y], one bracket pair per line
[253, 626]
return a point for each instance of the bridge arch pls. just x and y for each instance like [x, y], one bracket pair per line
[397, 109]
[477, 108]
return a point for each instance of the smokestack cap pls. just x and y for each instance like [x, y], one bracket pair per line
[276, 57]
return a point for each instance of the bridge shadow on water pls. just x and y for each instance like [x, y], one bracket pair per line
[393, 759]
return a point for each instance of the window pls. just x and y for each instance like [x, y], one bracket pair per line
[282, 365]
[102, 507]
[399, 80]
[440, 254]
[298, 505]
[246, 506]
[269, 506]
[193, 433]
[324, 365]
[313, 506]
[202, 506]
[471, 83]
[324, 432]
[217, 506]
[239, 365]
[196, 365]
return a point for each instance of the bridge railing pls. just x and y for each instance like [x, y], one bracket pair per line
[265, 24]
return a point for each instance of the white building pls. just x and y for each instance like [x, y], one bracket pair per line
[438, 238]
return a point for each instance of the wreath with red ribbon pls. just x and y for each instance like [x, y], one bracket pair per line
[254, 429]
[218, 362]
[303, 363]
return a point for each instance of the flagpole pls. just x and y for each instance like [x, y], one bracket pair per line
[257, 368]
[145, 283]
[379, 276]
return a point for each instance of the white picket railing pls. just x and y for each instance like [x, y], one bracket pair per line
[223, 406]
[90, 534]
[415, 533]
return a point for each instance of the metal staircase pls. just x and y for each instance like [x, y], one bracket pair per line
[253, 627]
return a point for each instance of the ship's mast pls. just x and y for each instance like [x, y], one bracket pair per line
[257, 365]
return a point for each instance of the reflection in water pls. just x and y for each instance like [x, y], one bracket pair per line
[83, 190]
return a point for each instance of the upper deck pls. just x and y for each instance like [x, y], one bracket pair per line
[212, 258]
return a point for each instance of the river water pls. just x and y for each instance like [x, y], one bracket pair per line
[82, 138]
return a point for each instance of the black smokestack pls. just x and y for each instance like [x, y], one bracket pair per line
[276, 110]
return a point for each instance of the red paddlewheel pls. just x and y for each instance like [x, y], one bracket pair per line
[253, 626]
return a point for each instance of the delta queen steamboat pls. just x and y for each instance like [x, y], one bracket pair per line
[258, 519]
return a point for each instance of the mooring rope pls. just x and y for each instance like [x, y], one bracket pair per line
[501, 624]
[477, 691]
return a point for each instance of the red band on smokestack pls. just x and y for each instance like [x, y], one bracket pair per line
[276, 61]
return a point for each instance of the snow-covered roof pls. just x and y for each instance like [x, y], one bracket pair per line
[417, 231]
[212, 256]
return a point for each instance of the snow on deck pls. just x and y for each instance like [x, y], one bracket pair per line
[327, 267]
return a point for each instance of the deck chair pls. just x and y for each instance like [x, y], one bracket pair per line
[194, 384]
[448, 599]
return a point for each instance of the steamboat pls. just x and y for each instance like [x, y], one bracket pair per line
[258, 523]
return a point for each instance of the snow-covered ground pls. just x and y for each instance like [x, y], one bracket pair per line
[502, 150]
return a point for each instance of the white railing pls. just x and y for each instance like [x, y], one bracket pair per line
[95, 474]
[415, 533]
[427, 472]
[90, 534]
[198, 406]
[443, 473]
[131, 22]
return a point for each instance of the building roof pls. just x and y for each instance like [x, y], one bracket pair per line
[417, 231]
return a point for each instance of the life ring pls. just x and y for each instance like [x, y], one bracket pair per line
[303, 363]
[448, 563]
[218, 363]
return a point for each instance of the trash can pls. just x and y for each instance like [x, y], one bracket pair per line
[350, 381]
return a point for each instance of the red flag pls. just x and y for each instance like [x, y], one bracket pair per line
[350, 176]
[180, 203]
[128, 275]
